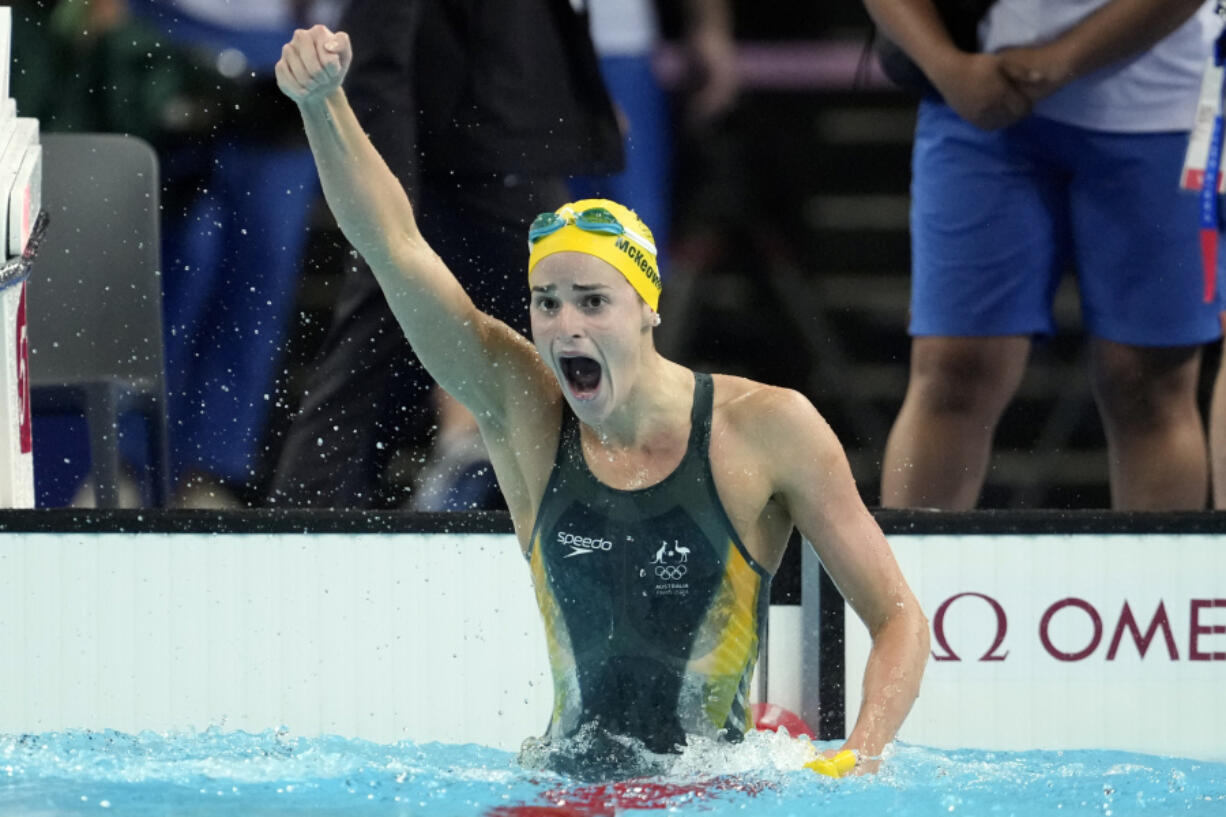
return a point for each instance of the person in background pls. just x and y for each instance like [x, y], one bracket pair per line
[1062, 141]
[626, 37]
[236, 203]
[1217, 419]
[677, 491]
[92, 66]
[626, 34]
[454, 99]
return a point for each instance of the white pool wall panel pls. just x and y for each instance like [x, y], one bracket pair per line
[385, 637]
[1052, 683]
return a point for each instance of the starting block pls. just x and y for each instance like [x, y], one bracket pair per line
[21, 227]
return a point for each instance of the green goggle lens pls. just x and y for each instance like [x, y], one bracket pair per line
[592, 220]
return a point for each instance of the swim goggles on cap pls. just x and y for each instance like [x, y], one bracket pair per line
[591, 220]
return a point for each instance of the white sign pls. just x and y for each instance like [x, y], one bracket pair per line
[1066, 641]
[383, 637]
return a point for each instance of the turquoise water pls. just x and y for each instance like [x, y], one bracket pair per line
[272, 773]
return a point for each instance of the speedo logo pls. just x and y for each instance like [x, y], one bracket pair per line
[579, 545]
[639, 258]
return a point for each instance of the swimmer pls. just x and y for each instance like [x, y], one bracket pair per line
[652, 503]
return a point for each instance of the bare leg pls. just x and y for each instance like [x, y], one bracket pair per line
[1158, 457]
[1217, 431]
[938, 451]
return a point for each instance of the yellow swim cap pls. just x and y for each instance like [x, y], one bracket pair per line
[605, 229]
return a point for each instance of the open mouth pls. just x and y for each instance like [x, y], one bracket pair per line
[582, 375]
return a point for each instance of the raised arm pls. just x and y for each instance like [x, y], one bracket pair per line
[815, 484]
[473, 356]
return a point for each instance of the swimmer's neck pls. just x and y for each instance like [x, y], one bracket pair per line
[656, 409]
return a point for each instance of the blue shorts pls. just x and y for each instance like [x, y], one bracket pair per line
[997, 217]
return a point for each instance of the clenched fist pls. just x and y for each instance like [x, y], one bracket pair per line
[313, 63]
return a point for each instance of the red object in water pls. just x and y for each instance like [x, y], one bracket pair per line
[609, 799]
[769, 717]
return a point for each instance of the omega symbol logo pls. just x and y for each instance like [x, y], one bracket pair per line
[938, 630]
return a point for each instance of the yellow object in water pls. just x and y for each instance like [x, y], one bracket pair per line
[836, 766]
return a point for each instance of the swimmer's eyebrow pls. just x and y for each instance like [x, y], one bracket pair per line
[576, 287]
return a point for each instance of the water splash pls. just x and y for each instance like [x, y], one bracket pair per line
[213, 773]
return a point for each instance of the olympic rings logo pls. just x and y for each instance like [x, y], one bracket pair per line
[670, 572]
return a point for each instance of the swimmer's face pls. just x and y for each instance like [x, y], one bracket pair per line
[592, 330]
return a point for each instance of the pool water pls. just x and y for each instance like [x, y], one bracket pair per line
[273, 773]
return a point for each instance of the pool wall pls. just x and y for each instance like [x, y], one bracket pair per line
[1066, 641]
[390, 627]
[382, 636]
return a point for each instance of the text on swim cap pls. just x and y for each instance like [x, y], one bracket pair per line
[640, 259]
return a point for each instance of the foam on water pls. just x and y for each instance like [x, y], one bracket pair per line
[272, 773]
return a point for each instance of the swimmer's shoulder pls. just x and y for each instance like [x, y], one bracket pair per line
[778, 427]
[750, 405]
